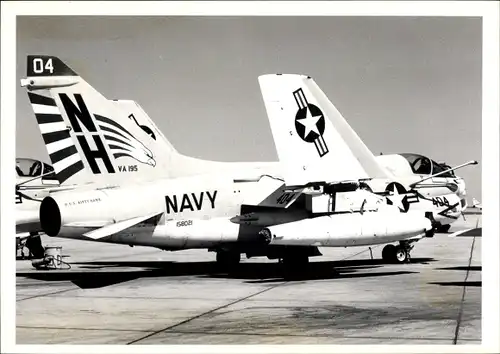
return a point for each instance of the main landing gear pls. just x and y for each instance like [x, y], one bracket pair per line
[34, 245]
[397, 254]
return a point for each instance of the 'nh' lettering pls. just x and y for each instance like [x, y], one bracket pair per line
[77, 114]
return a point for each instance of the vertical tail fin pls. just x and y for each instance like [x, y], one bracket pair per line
[136, 113]
[88, 138]
[313, 140]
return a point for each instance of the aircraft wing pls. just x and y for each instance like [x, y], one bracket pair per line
[111, 229]
[314, 142]
[271, 192]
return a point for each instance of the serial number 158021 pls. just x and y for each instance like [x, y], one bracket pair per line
[184, 223]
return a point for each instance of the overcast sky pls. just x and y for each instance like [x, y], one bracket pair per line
[404, 84]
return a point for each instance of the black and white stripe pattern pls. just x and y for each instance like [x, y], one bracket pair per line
[119, 140]
[60, 147]
[300, 98]
[412, 197]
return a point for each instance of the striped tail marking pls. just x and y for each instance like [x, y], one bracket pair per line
[60, 146]
[122, 143]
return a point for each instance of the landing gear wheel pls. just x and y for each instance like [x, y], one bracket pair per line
[227, 259]
[401, 255]
[389, 253]
[396, 254]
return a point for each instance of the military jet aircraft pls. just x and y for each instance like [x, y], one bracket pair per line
[311, 136]
[105, 160]
[123, 188]
[396, 173]
[33, 182]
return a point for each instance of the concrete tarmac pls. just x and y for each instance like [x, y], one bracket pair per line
[115, 294]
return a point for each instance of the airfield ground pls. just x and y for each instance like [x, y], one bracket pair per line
[120, 295]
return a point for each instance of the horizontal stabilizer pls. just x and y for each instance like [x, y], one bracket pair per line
[117, 227]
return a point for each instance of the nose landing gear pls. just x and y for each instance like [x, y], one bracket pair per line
[398, 254]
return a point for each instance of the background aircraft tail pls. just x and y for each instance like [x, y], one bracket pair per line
[313, 140]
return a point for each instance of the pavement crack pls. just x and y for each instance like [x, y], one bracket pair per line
[461, 310]
[206, 313]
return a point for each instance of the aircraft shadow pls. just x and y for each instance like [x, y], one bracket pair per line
[458, 283]
[477, 232]
[96, 274]
[472, 268]
[325, 275]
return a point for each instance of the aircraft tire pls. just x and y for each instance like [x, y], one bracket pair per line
[389, 253]
[401, 255]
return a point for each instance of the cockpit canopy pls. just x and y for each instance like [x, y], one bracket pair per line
[34, 168]
[422, 165]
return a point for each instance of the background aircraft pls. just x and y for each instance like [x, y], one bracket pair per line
[33, 181]
[311, 136]
[477, 204]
